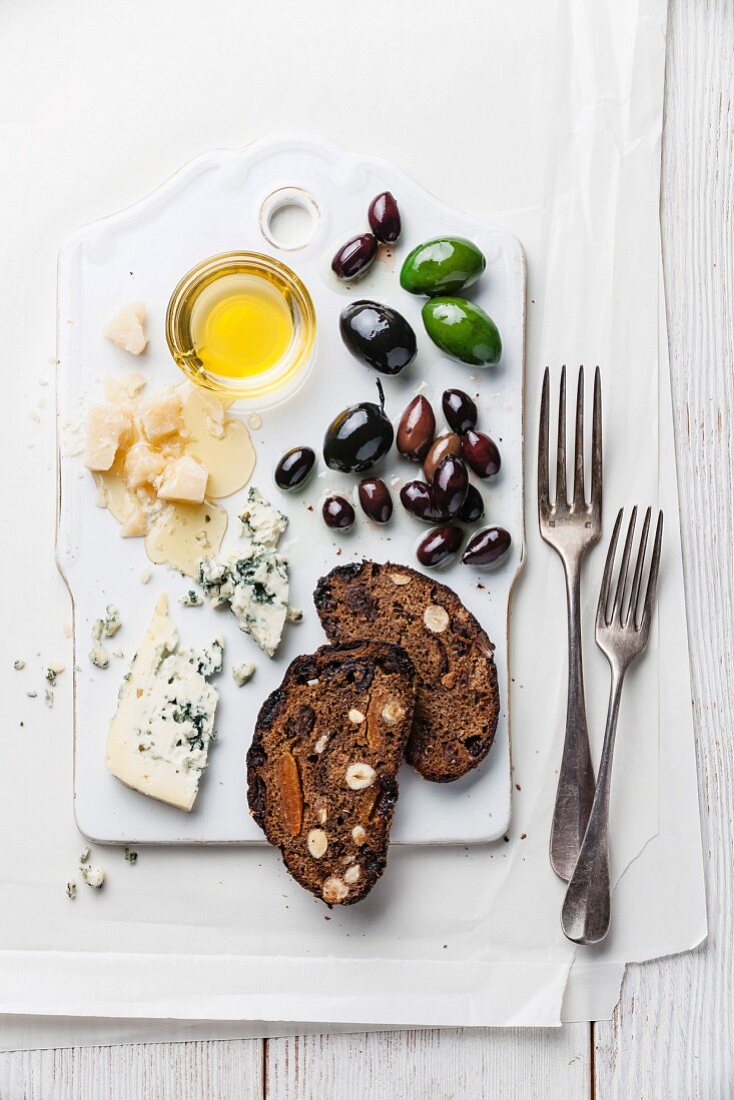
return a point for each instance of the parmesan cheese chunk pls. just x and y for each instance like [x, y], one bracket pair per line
[142, 465]
[161, 416]
[183, 479]
[108, 428]
[126, 328]
[125, 388]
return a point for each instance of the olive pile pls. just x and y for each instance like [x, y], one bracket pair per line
[361, 435]
[447, 496]
[357, 256]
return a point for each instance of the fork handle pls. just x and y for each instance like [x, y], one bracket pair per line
[576, 783]
[586, 907]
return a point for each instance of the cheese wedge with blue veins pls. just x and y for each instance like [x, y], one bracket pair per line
[159, 738]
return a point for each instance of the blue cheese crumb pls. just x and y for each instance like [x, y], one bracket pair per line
[242, 674]
[84, 855]
[71, 889]
[19, 664]
[93, 876]
[131, 856]
[192, 598]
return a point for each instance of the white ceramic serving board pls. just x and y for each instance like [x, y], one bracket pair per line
[213, 205]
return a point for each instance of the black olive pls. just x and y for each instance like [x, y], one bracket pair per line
[472, 509]
[448, 444]
[384, 218]
[295, 468]
[488, 548]
[358, 437]
[378, 336]
[374, 496]
[417, 498]
[338, 513]
[355, 257]
[450, 485]
[459, 410]
[416, 429]
[481, 453]
[439, 546]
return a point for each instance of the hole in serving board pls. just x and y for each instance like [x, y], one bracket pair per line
[289, 218]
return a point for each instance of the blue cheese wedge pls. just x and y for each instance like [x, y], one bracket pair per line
[159, 739]
[254, 580]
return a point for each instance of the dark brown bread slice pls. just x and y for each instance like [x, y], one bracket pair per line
[321, 770]
[457, 700]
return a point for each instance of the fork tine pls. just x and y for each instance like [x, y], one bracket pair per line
[652, 583]
[544, 445]
[596, 446]
[579, 500]
[623, 569]
[637, 579]
[561, 494]
[601, 611]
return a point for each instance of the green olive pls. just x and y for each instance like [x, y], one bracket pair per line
[442, 266]
[463, 330]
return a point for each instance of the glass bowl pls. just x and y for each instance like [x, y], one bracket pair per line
[278, 382]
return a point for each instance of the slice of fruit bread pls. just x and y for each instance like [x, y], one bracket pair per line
[457, 696]
[322, 767]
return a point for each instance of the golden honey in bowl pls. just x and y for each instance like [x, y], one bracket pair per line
[243, 324]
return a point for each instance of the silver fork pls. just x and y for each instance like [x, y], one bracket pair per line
[621, 637]
[571, 528]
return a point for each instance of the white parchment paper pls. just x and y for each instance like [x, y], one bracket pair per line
[546, 118]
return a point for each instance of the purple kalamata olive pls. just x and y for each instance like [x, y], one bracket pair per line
[481, 454]
[417, 498]
[447, 444]
[488, 548]
[416, 429]
[450, 485]
[439, 546]
[295, 468]
[338, 513]
[472, 510]
[355, 257]
[459, 410]
[384, 218]
[374, 496]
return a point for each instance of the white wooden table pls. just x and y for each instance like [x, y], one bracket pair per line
[672, 1033]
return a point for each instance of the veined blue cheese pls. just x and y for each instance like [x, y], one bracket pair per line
[254, 580]
[159, 739]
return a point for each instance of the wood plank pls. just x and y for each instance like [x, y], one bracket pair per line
[469, 1064]
[671, 1034]
[224, 1070]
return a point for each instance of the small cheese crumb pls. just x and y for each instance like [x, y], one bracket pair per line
[99, 656]
[192, 598]
[84, 855]
[131, 856]
[52, 671]
[293, 615]
[71, 889]
[144, 575]
[241, 674]
[18, 664]
[93, 876]
[126, 328]
[48, 698]
[109, 625]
